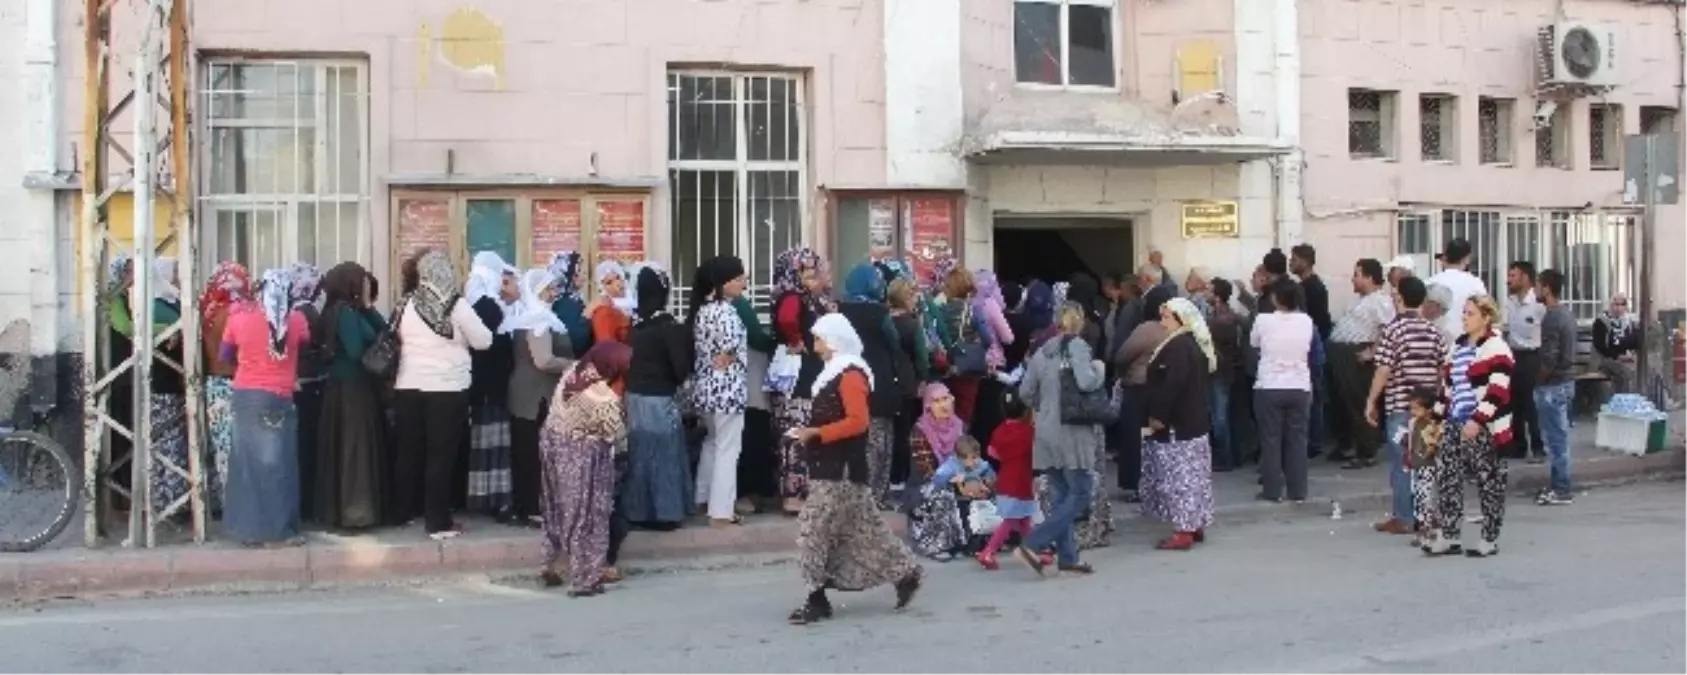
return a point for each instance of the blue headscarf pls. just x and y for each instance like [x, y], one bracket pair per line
[864, 284]
[1039, 305]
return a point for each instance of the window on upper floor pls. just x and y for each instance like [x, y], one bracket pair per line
[1494, 120]
[1605, 135]
[1370, 123]
[1657, 119]
[1552, 138]
[1438, 117]
[1064, 43]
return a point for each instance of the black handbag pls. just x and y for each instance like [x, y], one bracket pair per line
[1076, 405]
[381, 358]
[967, 357]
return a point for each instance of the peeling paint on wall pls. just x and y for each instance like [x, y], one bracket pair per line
[469, 42]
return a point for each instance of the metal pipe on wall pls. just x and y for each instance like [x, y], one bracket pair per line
[1291, 203]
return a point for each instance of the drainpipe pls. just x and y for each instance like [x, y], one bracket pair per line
[41, 82]
[1286, 78]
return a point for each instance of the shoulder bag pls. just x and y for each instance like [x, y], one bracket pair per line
[1076, 405]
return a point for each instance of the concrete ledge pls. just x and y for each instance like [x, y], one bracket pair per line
[330, 560]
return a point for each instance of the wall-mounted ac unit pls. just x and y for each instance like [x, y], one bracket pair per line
[1577, 53]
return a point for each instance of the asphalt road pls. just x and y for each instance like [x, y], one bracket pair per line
[1597, 587]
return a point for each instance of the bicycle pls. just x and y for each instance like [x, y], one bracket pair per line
[39, 487]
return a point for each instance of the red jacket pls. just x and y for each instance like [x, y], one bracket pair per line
[1011, 446]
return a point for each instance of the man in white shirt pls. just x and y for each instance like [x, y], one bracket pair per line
[1523, 315]
[1351, 365]
[1455, 256]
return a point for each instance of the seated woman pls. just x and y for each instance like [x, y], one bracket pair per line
[934, 525]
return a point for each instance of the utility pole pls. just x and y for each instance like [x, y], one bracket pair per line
[1652, 176]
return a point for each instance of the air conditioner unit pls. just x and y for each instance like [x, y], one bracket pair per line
[1576, 53]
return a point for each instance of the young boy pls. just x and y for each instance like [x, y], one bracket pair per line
[1423, 440]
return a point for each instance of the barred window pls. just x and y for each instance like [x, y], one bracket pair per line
[1438, 118]
[1370, 123]
[1552, 139]
[1605, 135]
[1495, 117]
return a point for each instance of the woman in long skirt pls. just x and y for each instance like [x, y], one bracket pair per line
[578, 450]
[934, 522]
[352, 486]
[1177, 469]
[168, 473]
[263, 497]
[843, 542]
[228, 287]
[494, 291]
[800, 280]
[659, 480]
[313, 381]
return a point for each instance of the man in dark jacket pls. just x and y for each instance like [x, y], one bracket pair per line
[1226, 330]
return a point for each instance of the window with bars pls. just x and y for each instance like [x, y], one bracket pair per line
[1605, 135]
[1657, 119]
[1552, 140]
[1064, 43]
[737, 170]
[1594, 251]
[1370, 123]
[1438, 119]
[284, 172]
[1494, 124]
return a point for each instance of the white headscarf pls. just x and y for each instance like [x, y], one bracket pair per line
[846, 350]
[486, 277]
[534, 314]
[602, 271]
[163, 281]
[628, 302]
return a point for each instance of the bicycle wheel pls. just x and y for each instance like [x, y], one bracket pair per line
[38, 491]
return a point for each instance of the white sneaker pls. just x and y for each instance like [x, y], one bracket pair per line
[1483, 549]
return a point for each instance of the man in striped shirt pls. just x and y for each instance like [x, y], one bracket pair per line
[1409, 351]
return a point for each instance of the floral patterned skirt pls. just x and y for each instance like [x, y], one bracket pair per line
[1177, 482]
[578, 501]
[219, 422]
[843, 542]
[169, 445]
[934, 523]
[792, 413]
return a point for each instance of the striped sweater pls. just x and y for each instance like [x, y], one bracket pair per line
[1490, 382]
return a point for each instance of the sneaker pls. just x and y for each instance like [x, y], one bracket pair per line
[1437, 544]
[1482, 549]
[1556, 499]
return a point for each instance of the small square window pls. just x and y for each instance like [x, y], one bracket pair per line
[1064, 43]
[1605, 135]
[1370, 123]
[1438, 118]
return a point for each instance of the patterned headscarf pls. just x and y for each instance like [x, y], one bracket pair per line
[940, 269]
[1190, 316]
[119, 273]
[787, 277]
[565, 267]
[230, 284]
[276, 298]
[987, 291]
[436, 293]
[651, 289]
[1060, 288]
[307, 280]
[894, 269]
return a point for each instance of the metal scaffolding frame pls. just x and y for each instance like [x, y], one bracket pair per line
[159, 173]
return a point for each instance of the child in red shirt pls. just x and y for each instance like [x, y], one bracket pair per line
[1016, 502]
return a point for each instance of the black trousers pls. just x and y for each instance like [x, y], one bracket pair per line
[1526, 425]
[758, 462]
[308, 401]
[901, 454]
[431, 426]
[1133, 416]
[524, 462]
[1352, 380]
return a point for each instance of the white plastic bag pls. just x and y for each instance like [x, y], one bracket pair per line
[983, 518]
[782, 371]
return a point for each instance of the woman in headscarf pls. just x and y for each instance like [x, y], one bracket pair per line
[493, 291]
[1616, 338]
[120, 278]
[305, 280]
[352, 485]
[582, 434]
[569, 270]
[843, 542]
[1056, 300]
[659, 482]
[799, 299]
[1177, 462]
[608, 321]
[438, 329]
[913, 363]
[991, 304]
[262, 507]
[168, 400]
[969, 336]
[542, 352]
[934, 520]
[229, 287]
[720, 386]
[864, 307]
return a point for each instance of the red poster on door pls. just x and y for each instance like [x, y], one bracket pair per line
[422, 223]
[556, 228]
[620, 231]
[930, 223]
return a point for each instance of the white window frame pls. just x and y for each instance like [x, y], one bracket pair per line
[742, 166]
[1066, 47]
[210, 203]
[1614, 228]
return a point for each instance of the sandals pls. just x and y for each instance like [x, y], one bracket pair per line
[908, 586]
[1082, 569]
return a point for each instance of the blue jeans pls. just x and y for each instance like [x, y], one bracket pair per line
[1218, 401]
[1399, 480]
[1070, 490]
[261, 503]
[1552, 411]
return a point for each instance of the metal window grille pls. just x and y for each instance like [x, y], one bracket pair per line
[1594, 251]
[737, 171]
[1429, 122]
[284, 172]
[1605, 133]
[1550, 141]
[1494, 128]
[1066, 43]
[1366, 133]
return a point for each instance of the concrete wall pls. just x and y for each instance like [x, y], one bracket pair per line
[1469, 48]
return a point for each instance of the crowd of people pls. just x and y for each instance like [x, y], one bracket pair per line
[570, 399]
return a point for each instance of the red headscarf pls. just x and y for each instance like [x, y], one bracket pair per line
[229, 285]
[606, 361]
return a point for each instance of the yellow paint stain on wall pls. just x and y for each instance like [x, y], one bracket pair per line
[1198, 68]
[472, 43]
[120, 216]
[424, 46]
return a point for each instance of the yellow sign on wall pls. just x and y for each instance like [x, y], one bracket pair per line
[120, 217]
[1211, 220]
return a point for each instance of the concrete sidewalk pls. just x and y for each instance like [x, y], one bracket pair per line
[489, 548]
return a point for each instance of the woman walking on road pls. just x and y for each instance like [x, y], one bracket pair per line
[1177, 469]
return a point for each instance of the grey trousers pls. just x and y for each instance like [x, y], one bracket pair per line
[1283, 417]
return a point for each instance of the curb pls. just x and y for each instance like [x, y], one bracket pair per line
[217, 568]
